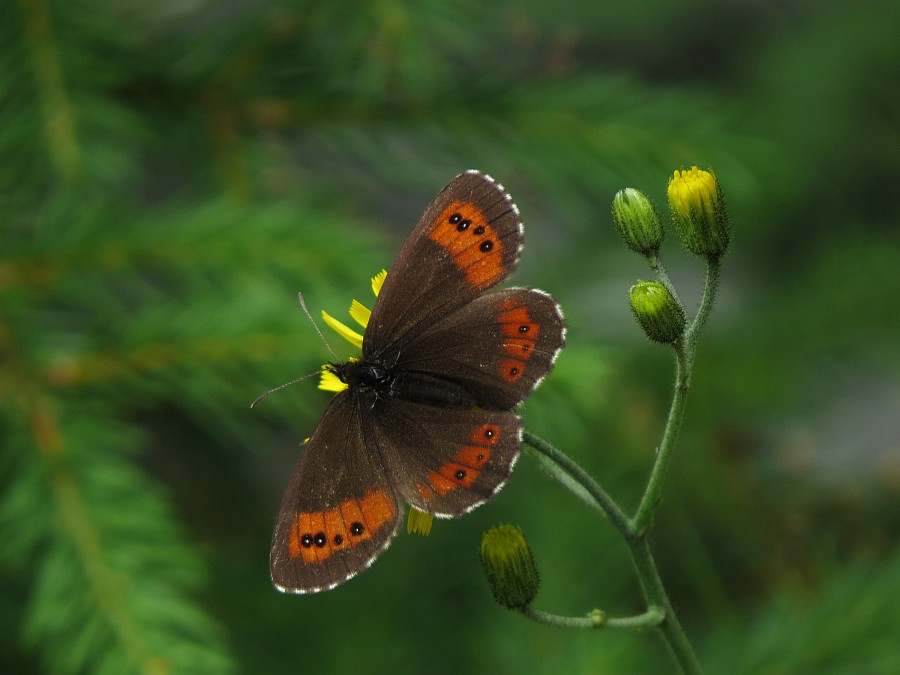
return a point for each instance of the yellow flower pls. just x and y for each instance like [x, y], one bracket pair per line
[698, 211]
[343, 329]
[328, 381]
[693, 189]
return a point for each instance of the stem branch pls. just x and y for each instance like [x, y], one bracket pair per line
[660, 612]
[653, 491]
[583, 478]
[655, 594]
[652, 618]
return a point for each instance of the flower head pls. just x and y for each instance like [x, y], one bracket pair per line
[697, 205]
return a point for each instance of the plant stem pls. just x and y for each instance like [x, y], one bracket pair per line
[652, 618]
[655, 594]
[656, 264]
[653, 491]
[583, 478]
[710, 288]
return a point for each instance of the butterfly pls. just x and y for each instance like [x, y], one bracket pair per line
[426, 417]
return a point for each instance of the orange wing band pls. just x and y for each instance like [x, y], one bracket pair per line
[476, 249]
[520, 334]
[317, 535]
[470, 459]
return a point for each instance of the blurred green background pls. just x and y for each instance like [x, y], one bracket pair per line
[171, 174]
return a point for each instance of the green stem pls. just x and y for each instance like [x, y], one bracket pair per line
[655, 594]
[59, 124]
[710, 288]
[652, 618]
[583, 478]
[560, 475]
[656, 264]
[653, 491]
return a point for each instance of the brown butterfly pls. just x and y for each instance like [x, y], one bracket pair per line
[426, 417]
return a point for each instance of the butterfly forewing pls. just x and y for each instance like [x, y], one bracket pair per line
[467, 241]
[340, 509]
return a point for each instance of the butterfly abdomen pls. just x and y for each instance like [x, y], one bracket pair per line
[371, 377]
[423, 388]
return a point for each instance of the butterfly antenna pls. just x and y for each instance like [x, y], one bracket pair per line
[263, 397]
[260, 399]
[316, 326]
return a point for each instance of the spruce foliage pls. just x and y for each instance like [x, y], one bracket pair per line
[172, 173]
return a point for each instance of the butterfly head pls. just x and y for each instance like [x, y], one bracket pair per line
[363, 376]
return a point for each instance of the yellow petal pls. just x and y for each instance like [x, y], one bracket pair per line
[343, 330]
[418, 522]
[328, 381]
[694, 188]
[378, 282]
[360, 313]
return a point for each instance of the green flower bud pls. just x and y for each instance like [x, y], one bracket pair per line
[698, 211]
[658, 312]
[637, 221]
[509, 566]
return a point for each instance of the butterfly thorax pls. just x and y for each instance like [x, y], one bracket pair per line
[372, 378]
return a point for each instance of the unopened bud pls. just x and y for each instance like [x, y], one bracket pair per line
[509, 566]
[660, 315]
[637, 221]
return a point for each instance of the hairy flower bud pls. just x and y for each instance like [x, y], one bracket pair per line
[509, 566]
[660, 315]
[697, 206]
[637, 221]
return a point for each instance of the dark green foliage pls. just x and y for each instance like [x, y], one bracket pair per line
[173, 173]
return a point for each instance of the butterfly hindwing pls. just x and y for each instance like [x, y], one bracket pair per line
[499, 346]
[340, 509]
[446, 461]
[467, 241]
